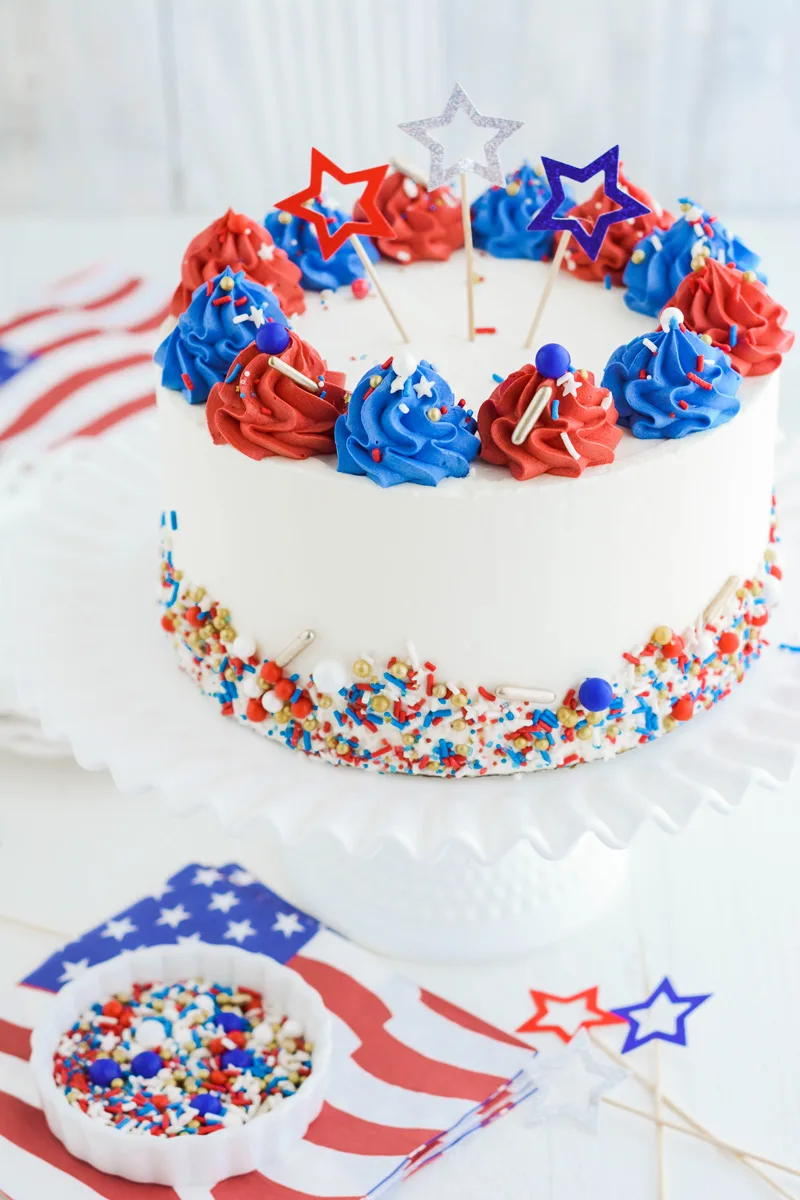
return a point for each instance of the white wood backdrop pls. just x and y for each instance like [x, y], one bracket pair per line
[152, 106]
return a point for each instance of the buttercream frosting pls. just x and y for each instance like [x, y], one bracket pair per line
[661, 261]
[298, 238]
[403, 425]
[237, 241]
[734, 309]
[262, 413]
[426, 224]
[500, 216]
[221, 320]
[621, 238]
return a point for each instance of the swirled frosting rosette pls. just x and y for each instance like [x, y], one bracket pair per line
[299, 240]
[734, 311]
[671, 383]
[404, 426]
[221, 320]
[239, 242]
[576, 427]
[661, 262]
[427, 225]
[262, 413]
[500, 216]
[620, 240]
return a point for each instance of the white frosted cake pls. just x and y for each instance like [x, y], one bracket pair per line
[463, 558]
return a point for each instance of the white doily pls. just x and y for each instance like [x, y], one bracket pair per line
[88, 658]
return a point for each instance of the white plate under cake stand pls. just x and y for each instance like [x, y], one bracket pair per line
[415, 868]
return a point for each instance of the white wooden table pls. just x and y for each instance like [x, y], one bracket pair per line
[718, 908]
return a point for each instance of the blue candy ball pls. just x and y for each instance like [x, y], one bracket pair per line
[272, 338]
[147, 1064]
[103, 1071]
[207, 1103]
[236, 1058]
[231, 1021]
[552, 360]
[595, 694]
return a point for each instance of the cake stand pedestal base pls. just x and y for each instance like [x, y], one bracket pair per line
[454, 908]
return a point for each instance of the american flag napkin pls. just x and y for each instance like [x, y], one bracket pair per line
[79, 362]
[413, 1075]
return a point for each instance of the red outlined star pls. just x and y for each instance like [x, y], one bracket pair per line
[595, 1015]
[376, 224]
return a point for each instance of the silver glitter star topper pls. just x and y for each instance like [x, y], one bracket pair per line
[459, 101]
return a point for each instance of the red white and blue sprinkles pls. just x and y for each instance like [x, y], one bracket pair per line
[187, 1058]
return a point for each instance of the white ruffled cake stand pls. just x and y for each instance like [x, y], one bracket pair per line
[422, 868]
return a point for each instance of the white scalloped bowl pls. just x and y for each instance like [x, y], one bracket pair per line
[185, 1161]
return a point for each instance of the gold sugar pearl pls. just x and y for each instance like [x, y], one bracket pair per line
[226, 283]
[662, 634]
[541, 743]
[342, 749]
[361, 668]
[612, 731]
[669, 723]
[459, 724]
[769, 555]
[439, 691]
[310, 725]
[458, 699]
[584, 733]
[567, 717]
[513, 188]
[521, 743]
[284, 716]
[218, 622]
[230, 674]
[749, 276]
[375, 381]
[285, 218]
[539, 170]
[408, 739]
[594, 718]
[637, 256]
[706, 337]
[400, 670]
[227, 635]
[434, 414]
[324, 701]
[381, 704]
[698, 263]
[463, 749]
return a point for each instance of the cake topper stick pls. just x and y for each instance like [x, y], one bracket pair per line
[590, 240]
[440, 172]
[376, 224]
[531, 415]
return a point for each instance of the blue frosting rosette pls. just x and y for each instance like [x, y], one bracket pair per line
[500, 216]
[671, 383]
[299, 239]
[403, 426]
[223, 317]
[663, 259]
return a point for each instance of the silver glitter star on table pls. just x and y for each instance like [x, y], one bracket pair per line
[572, 1084]
[459, 101]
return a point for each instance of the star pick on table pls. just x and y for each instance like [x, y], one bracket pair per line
[664, 1016]
[375, 225]
[440, 173]
[589, 239]
[587, 1013]
[572, 1084]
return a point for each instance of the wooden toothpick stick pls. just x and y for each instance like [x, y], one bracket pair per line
[552, 275]
[410, 172]
[466, 221]
[743, 1158]
[700, 1137]
[374, 277]
[657, 1099]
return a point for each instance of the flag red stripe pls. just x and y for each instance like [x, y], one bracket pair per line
[114, 416]
[466, 1020]
[67, 387]
[15, 1040]
[149, 323]
[257, 1187]
[27, 318]
[68, 339]
[26, 1127]
[382, 1054]
[341, 1131]
[125, 289]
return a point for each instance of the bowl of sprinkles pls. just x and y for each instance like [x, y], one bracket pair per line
[183, 1065]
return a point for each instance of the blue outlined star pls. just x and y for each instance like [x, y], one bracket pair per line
[590, 241]
[677, 1036]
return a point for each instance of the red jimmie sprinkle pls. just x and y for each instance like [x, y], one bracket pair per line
[221, 300]
[376, 454]
[700, 364]
[186, 381]
[696, 379]
[485, 329]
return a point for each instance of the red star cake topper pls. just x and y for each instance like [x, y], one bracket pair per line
[586, 1013]
[376, 224]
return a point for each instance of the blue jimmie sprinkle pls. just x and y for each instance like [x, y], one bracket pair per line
[734, 334]
[554, 409]
[607, 282]
[497, 378]
[787, 646]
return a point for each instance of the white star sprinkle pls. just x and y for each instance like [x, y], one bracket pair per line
[569, 384]
[239, 930]
[73, 970]
[424, 387]
[266, 250]
[173, 916]
[223, 902]
[255, 315]
[206, 876]
[287, 923]
[119, 929]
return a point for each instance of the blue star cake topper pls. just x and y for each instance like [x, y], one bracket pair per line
[589, 240]
[672, 1010]
[459, 101]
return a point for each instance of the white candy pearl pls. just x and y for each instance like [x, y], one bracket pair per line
[251, 687]
[772, 591]
[205, 1002]
[705, 646]
[271, 702]
[150, 1034]
[243, 647]
[291, 1028]
[410, 188]
[667, 316]
[263, 1033]
[330, 676]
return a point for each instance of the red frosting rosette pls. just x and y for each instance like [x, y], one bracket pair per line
[576, 429]
[425, 224]
[263, 413]
[735, 310]
[620, 240]
[237, 241]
